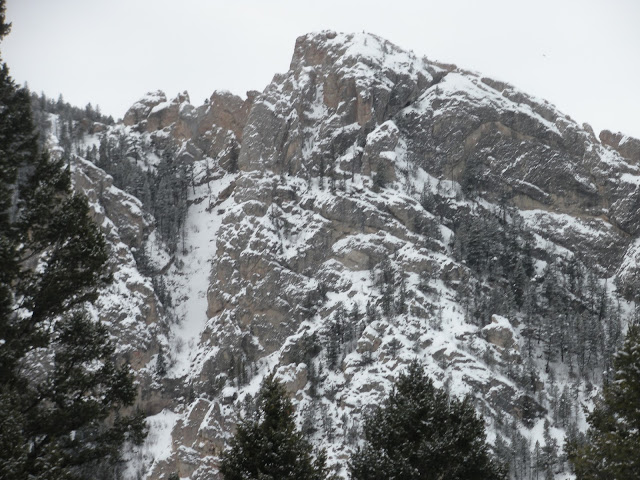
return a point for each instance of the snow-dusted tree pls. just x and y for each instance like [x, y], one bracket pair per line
[549, 452]
[612, 447]
[161, 363]
[268, 446]
[421, 432]
[59, 382]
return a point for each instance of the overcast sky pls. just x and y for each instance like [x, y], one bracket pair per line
[583, 56]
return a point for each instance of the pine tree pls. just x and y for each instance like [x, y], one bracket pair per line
[549, 452]
[61, 392]
[612, 447]
[161, 363]
[422, 433]
[267, 445]
[564, 407]
[381, 177]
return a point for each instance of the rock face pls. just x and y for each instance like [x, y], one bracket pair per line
[213, 130]
[331, 155]
[129, 306]
[357, 114]
[111, 204]
[626, 146]
[140, 110]
[334, 233]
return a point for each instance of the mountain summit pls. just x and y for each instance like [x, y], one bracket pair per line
[367, 209]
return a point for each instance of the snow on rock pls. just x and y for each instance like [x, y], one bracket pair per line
[141, 109]
[500, 333]
[333, 157]
[157, 447]
[324, 241]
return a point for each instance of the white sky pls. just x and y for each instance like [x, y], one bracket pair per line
[583, 56]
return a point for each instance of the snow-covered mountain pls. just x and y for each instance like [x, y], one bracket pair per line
[367, 208]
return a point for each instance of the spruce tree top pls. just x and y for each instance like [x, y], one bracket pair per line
[268, 446]
[420, 432]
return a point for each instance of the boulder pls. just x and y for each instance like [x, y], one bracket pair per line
[500, 333]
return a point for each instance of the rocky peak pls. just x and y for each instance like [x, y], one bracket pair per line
[339, 87]
[213, 130]
[327, 49]
[154, 112]
[327, 236]
[140, 110]
[228, 111]
[625, 145]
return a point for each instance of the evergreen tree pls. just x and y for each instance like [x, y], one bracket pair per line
[427, 200]
[161, 363]
[170, 198]
[422, 433]
[564, 407]
[267, 445]
[60, 389]
[381, 177]
[549, 452]
[612, 447]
